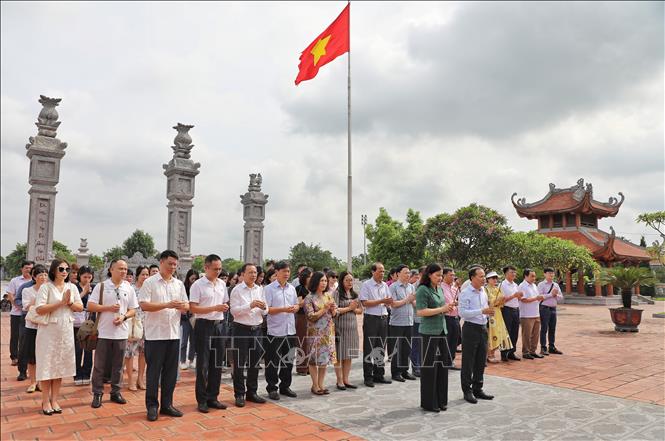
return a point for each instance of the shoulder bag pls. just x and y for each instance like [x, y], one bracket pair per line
[87, 334]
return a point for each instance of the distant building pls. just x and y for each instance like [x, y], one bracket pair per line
[572, 213]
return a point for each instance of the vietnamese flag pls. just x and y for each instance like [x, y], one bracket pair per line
[332, 43]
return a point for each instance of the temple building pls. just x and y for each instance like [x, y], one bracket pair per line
[572, 213]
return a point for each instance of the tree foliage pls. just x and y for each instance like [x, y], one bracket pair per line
[655, 220]
[96, 262]
[391, 243]
[472, 234]
[313, 256]
[197, 263]
[141, 242]
[14, 259]
[114, 253]
[232, 265]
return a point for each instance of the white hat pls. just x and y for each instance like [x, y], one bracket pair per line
[491, 274]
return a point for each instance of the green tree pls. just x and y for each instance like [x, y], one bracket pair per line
[96, 262]
[197, 263]
[414, 242]
[313, 256]
[655, 220]
[114, 253]
[232, 265]
[141, 242]
[470, 235]
[386, 238]
[60, 251]
[535, 250]
[14, 259]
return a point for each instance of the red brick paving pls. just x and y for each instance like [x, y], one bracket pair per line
[21, 418]
[599, 360]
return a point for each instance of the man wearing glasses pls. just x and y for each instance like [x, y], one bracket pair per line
[118, 303]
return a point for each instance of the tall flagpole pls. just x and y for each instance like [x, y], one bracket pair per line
[349, 224]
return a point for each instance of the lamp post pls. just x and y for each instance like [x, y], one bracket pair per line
[363, 222]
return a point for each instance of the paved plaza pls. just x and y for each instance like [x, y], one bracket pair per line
[607, 386]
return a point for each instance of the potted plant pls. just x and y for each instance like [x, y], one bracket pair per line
[627, 319]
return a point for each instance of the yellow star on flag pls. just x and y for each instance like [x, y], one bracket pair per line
[319, 49]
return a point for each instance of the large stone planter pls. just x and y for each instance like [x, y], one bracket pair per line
[626, 319]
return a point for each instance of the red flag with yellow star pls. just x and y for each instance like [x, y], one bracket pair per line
[332, 43]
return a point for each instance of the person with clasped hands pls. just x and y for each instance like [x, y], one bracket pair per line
[511, 310]
[163, 299]
[431, 306]
[54, 351]
[475, 310]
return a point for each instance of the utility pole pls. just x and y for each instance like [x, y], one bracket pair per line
[363, 222]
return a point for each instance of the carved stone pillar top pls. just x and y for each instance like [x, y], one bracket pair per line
[83, 247]
[253, 202]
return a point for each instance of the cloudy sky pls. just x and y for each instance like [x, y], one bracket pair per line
[453, 104]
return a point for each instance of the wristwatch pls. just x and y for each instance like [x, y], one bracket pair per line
[124, 317]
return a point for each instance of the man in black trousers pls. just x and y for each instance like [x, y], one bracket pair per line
[163, 298]
[511, 310]
[374, 296]
[475, 310]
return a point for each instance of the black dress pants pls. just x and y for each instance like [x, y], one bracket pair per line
[399, 347]
[375, 330]
[161, 358]
[280, 354]
[209, 345]
[454, 331]
[433, 372]
[511, 317]
[247, 350]
[474, 353]
[14, 335]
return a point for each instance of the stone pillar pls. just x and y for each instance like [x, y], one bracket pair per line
[180, 173]
[569, 283]
[254, 204]
[45, 152]
[83, 256]
[580, 282]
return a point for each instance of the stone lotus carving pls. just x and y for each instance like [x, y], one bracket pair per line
[255, 181]
[183, 141]
[47, 121]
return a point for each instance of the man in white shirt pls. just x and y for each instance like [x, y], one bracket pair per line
[17, 321]
[375, 297]
[551, 292]
[208, 300]
[282, 342]
[530, 315]
[511, 310]
[114, 305]
[248, 306]
[162, 298]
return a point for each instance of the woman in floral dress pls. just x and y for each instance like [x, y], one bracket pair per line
[320, 309]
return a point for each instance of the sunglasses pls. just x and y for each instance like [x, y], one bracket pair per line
[62, 269]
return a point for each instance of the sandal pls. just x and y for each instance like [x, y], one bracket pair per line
[31, 389]
[316, 392]
[325, 391]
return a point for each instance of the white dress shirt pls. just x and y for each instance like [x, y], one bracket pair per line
[122, 294]
[532, 309]
[508, 289]
[373, 290]
[165, 323]
[472, 301]
[206, 294]
[283, 323]
[241, 297]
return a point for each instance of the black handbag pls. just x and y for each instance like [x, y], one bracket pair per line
[88, 334]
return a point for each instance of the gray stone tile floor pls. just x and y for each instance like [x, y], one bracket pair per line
[519, 411]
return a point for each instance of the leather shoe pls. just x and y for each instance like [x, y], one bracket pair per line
[152, 414]
[369, 383]
[543, 351]
[342, 387]
[350, 386]
[240, 401]
[203, 408]
[416, 374]
[96, 401]
[436, 409]
[382, 380]
[514, 357]
[554, 350]
[504, 357]
[288, 393]
[21, 377]
[408, 376]
[534, 355]
[396, 378]
[171, 411]
[216, 404]
[482, 395]
[527, 357]
[254, 398]
[273, 395]
[455, 368]
[468, 396]
[117, 398]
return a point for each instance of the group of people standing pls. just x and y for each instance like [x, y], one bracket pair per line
[310, 322]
